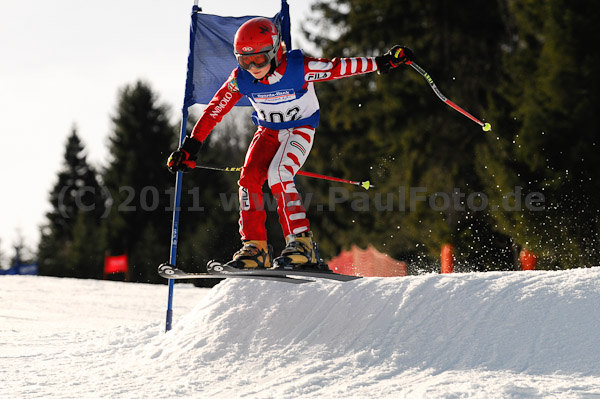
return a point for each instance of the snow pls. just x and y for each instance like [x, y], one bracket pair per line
[477, 335]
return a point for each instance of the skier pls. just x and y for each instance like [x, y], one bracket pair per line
[279, 85]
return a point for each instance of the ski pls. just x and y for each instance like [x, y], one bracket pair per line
[218, 269]
[171, 272]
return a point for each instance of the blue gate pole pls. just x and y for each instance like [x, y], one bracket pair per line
[175, 227]
[178, 180]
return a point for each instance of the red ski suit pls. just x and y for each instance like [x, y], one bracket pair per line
[276, 155]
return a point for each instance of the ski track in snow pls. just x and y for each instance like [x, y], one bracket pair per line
[477, 335]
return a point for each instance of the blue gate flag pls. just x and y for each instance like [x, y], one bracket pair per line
[211, 57]
[210, 62]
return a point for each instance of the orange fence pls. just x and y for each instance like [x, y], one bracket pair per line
[367, 263]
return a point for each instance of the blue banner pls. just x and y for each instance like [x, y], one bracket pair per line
[211, 58]
[31, 269]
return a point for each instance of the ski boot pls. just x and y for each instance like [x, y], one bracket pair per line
[301, 252]
[254, 254]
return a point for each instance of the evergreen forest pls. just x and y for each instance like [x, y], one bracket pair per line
[527, 67]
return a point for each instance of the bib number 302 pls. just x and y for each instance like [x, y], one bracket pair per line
[280, 117]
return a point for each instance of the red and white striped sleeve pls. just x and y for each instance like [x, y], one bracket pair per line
[321, 69]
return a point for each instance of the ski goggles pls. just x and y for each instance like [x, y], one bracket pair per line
[259, 60]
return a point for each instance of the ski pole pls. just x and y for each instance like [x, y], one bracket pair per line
[365, 184]
[485, 126]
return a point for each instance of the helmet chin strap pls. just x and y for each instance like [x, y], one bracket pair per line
[274, 66]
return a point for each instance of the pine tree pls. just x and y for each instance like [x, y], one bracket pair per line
[394, 131]
[87, 250]
[23, 253]
[546, 138]
[76, 195]
[138, 180]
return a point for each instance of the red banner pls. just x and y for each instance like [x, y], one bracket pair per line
[115, 264]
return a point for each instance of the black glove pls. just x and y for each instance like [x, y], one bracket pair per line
[184, 159]
[395, 56]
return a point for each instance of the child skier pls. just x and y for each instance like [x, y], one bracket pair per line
[279, 85]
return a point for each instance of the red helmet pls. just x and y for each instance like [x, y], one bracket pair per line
[257, 42]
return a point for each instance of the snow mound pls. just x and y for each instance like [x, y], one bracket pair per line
[379, 336]
[479, 335]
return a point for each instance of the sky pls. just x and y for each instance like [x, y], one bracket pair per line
[63, 64]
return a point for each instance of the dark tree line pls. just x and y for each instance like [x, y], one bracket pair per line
[527, 67]
[126, 206]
